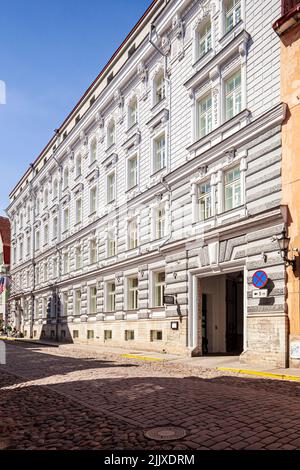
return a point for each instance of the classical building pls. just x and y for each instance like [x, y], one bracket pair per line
[143, 220]
[4, 268]
[288, 29]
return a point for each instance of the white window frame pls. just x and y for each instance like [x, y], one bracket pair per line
[65, 303]
[46, 234]
[93, 200]
[55, 227]
[66, 218]
[158, 232]
[78, 257]
[234, 184]
[203, 36]
[233, 11]
[134, 156]
[93, 299]
[132, 303]
[132, 122]
[93, 250]
[93, 150]
[78, 166]
[155, 285]
[78, 210]
[159, 88]
[77, 302]
[155, 151]
[207, 114]
[109, 199]
[108, 241]
[205, 197]
[110, 294]
[55, 189]
[66, 262]
[237, 92]
[66, 177]
[111, 133]
[130, 239]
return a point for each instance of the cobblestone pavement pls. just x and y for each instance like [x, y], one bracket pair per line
[63, 398]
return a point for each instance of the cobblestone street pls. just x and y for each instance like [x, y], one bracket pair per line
[63, 398]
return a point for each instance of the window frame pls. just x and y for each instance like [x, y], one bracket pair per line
[236, 182]
[156, 151]
[110, 294]
[109, 200]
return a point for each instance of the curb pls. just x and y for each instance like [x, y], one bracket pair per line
[28, 341]
[261, 374]
[142, 358]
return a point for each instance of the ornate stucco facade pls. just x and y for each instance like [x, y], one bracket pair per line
[165, 179]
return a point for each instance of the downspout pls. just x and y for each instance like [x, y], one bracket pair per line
[33, 262]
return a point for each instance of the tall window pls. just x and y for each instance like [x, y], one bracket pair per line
[232, 190]
[160, 221]
[66, 178]
[233, 95]
[93, 151]
[93, 251]
[159, 288]
[111, 243]
[78, 257]
[204, 39]
[28, 244]
[77, 301]
[93, 299]
[28, 212]
[111, 296]
[55, 227]
[204, 200]
[93, 200]
[132, 234]
[159, 88]
[21, 250]
[55, 189]
[78, 166]
[66, 262]
[204, 118]
[111, 190]
[37, 240]
[45, 272]
[132, 171]
[21, 220]
[37, 274]
[78, 210]
[46, 234]
[65, 303]
[46, 198]
[54, 266]
[66, 219]
[37, 206]
[233, 13]
[132, 112]
[159, 153]
[111, 134]
[132, 294]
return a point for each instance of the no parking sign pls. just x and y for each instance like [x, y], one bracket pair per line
[260, 279]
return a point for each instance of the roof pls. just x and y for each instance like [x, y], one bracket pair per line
[5, 236]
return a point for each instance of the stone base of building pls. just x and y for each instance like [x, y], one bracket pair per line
[295, 351]
[149, 335]
[267, 338]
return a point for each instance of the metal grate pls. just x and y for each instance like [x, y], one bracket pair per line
[165, 434]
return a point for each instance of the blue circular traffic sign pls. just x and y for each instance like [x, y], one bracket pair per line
[260, 279]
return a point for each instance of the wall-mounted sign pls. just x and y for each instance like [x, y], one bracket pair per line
[174, 325]
[260, 294]
[260, 279]
[169, 300]
[295, 349]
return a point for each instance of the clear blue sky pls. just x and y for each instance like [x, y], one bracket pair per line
[50, 52]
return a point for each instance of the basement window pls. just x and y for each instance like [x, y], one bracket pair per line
[155, 335]
[75, 334]
[107, 335]
[129, 335]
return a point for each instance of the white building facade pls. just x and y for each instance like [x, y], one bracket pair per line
[163, 183]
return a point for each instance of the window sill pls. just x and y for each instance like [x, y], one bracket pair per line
[128, 191]
[235, 30]
[156, 106]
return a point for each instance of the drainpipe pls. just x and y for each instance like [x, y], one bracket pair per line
[33, 262]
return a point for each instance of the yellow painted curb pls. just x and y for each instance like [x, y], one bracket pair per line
[142, 358]
[261, 374]
[4, 338]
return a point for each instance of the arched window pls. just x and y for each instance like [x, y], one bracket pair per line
[132, 112]
[93, 151]
[159, 87]
[55, 188]
[111, 133]
[78, 166]
[203, 38]
[66, 177]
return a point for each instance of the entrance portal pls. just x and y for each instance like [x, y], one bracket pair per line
[222, 313]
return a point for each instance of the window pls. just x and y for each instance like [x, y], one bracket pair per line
[93, 251]
[204, 116]
[159, 153]
[132, 171]
[159, 88]
[129, 335]
[155, 335]
[46, 198]
[90, 334]
[204, 200]
[65, 303]
[78, 210]
[93, 200]
[132, 293]
[66, 178]
[233, 14]
[55, 265]
[37, 275]
[204, 40]
[93, 299]
[132, 112]
[21, 250]
[93, 151]
[111, 134]
[78, 257]
[107, 335]
[55, 189]
[111, 187]
[46, 234]
[28, 212]
[233, 95]
[232, 188]
[37, 240]
[21, 220]
[132, 234]
[111, 296]
[66, 262]
[77, 301]
[160, 221]
[111, 243]
[75, 334]
[66, 219]
[78, 166]
[55, 227]
[45, 272]
[159, 288]
[37, 206]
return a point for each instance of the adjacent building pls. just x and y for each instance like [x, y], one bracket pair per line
[143, 220]
[4, 269]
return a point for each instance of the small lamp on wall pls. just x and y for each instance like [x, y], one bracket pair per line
[284, 241]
